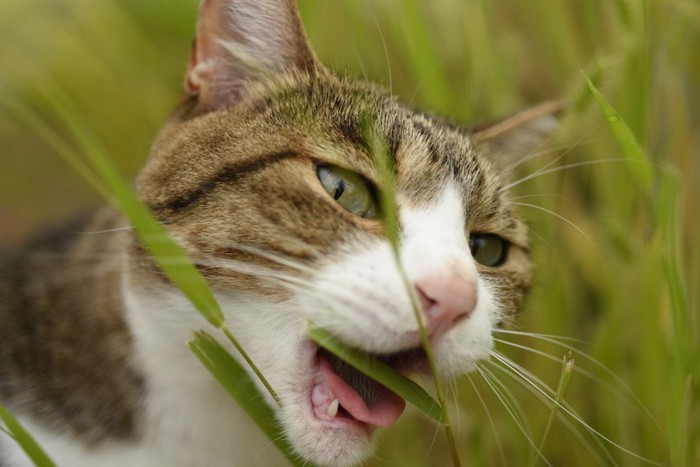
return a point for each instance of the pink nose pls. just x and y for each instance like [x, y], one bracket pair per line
[445, 302]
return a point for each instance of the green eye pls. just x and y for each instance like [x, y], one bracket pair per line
[489, 250]
[350, 190]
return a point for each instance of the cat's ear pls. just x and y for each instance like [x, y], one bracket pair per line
[239, 40]
[509, 140]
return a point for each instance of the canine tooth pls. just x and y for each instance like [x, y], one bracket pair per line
[332, 409]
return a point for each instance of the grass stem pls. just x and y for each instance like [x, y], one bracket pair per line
[566, 372]
[389, 210]
[17, 432]
[251, 364]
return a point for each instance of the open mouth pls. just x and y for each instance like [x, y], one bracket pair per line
[342, 394]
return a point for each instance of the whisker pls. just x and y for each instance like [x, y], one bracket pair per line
[452, 386]
[538, 152]
[436, 432]
[253, 270]
[540, 335]
[170, 308]
[94, 232]
[533, 379]
[541, 195]
[386, 50]
[360, 61]
[554, 340]
[532, 231]
[275, 257]
[573, 429]
[342, 296]
[490, 378]
[564, 406]
[559, 216]
[534, 155]
[577, 369]
[573, 165]
[514, 404]
[497, 437]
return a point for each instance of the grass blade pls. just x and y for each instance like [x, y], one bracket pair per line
[667, 213]
[423, 56]
[15, 430]
[46, 133]
[165, 252]
[252, 365]
[566, 371]
[384, 163]
[234, 378]
[680, 345]
[380, 372]
[168, 254]
[639, 162]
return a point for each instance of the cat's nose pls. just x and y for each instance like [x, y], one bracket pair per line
[445, 302]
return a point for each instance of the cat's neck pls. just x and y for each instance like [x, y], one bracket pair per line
[129, 388]
[183, 404]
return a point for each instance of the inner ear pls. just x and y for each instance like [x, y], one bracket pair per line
[509, 140]
[239, 41]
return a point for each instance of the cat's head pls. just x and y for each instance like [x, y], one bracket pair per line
[265, 176]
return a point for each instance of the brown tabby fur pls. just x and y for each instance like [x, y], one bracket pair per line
[243, 174]
[64, 346]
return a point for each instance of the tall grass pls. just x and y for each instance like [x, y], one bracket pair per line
[622, 282]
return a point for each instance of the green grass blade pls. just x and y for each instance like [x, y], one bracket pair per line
[387, 186]
[240, 385]
[680, 344]
[34, 123]
[247, 358]
[378, 371]
[423, 55]
[639, 162]
[667, 214]
[168, 254]
[566, 371]
[384, 164]
[24, 439]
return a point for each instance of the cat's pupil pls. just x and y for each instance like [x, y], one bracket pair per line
[340, 189]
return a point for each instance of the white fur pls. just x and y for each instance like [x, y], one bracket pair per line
[190, 421]
[361, 298]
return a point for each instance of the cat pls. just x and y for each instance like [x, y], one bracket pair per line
[263, 175]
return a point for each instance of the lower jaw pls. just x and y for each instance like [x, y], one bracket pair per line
[340, 445]
[341, 422]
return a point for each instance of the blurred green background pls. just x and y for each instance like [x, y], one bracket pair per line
[617, 263]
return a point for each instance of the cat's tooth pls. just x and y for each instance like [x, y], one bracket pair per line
[332, 409]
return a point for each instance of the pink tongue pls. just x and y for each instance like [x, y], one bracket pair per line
[383, 412]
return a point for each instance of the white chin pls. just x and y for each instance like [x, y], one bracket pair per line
[328, 441]
[325, 444]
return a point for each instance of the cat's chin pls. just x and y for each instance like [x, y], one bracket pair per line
[331, 422]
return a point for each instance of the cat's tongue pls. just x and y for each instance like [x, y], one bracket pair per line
[383, 409]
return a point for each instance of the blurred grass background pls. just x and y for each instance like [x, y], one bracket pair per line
[617, 281]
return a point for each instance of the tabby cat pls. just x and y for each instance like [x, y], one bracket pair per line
[263, 175]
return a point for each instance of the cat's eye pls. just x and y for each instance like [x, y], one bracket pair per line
[352, 191]
[489, 250]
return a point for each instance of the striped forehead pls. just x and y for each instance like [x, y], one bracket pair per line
[432, 157]
[429, 154]
[429, 157]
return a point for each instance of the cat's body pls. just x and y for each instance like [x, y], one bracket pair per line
[245, 176]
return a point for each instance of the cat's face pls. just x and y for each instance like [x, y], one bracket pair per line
[273, 192]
